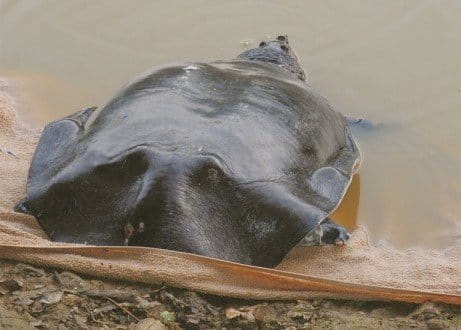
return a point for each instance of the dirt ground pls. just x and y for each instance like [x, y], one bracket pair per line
[32, 297]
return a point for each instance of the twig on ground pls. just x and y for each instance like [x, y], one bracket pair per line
[122, 308]
[104, 309]
[113, 294]
[112, 325]
[57, 278]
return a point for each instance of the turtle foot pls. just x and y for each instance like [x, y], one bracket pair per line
[327, 232]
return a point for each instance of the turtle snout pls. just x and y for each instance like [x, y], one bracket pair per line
[280, 44]
[283, 38]
[274, 46]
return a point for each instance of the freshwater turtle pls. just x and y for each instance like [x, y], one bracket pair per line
[236, 159]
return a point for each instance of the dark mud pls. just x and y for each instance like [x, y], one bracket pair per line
[32, 297]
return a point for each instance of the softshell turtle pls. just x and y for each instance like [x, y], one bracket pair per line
[237, 159]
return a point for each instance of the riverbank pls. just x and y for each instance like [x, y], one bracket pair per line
[32, 297]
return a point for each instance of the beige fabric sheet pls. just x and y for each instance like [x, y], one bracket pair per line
[357, 270]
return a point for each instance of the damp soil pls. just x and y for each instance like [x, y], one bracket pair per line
[32, 297]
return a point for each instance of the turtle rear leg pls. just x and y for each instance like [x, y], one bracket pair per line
[327, 232]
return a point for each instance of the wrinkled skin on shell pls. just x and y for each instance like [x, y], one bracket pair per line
[236, 159]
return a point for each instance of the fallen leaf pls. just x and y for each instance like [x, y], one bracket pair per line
[9, 286]
[24, 301]
[150, 324]
[167, 316]
[51, 298]
[249, 316]
[31, 270]
[145, 304]
[232, 313]
[36, 307]
[245, 312]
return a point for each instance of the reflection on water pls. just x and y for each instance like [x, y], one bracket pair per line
[347, 212]
[393, 62]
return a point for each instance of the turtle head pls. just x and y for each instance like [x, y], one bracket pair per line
[278, 52]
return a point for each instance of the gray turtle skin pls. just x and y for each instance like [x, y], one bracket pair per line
[237, 159]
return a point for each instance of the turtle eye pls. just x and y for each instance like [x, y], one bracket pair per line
[262, 44]
[282, 38]
[284, 48]
[124, 169]
[206, 170]
[206, 174]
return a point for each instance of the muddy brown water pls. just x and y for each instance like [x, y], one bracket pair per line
[396, 63]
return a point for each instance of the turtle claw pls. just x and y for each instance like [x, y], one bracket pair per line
[129, 231]
[343, 236]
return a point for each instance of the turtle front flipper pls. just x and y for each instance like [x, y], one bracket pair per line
[56, 139]
[277, 217]
[54, 142]
[22, 207]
